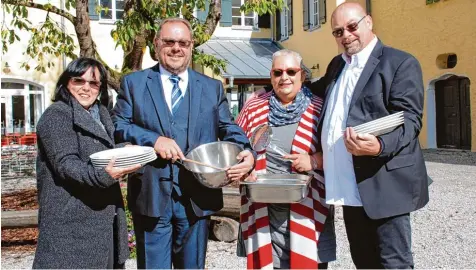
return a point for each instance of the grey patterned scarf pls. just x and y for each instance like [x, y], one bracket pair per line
[94, 112]
[282, 116]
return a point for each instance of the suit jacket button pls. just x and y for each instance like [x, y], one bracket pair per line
[95, 141]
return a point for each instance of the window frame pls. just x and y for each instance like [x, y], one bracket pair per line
[286, 22]
[314, 19]
[113, 10]
[243, 17]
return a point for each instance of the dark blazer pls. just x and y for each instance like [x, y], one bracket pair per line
[141, 115]
[396, 181]
[77, 201]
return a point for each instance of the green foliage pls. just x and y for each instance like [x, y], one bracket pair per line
[140, 21]
[206, 60]
[47, 38]
[262, 7]
[130, 226]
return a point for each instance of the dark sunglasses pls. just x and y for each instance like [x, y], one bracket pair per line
[351, 27]
[78, 81]
[171, 42]
[290, 71]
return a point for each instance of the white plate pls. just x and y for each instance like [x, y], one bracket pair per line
[124, 158]
[383, 125]
[379, 129]
[386, 119]
[137, 161]
[142, 162]
[120, 161]
[123, 152]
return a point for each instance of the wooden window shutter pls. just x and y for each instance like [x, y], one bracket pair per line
[93, 15]
[225, 13]
[202, 14]
[290, 18]
[278, 25]
[305, 15]
[264, 21]
[322, 11]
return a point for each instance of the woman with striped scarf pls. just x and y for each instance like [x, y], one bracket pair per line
[291, 236]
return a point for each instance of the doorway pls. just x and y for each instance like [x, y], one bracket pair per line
[453, 113]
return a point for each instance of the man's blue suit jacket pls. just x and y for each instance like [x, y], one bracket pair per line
[141, 115]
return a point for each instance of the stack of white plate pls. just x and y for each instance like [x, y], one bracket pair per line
[125, 156]
[381, 125]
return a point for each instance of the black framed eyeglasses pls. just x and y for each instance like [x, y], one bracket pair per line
[171, 42]
[351, 27]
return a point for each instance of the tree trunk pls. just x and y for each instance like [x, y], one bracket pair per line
[214, 16]
[83, 30]
[224, 229]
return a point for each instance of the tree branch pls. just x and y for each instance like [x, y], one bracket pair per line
[49, 8]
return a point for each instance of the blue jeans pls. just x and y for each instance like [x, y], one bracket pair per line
[378, 244]
[178, 238]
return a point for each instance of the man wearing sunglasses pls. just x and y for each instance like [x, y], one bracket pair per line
[174, 109]
[378, 180]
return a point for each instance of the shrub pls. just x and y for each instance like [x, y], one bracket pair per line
[130, 227]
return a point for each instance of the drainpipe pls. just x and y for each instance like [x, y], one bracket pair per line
[230, 81]
[368, 4]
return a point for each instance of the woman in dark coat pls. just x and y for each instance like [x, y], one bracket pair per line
[82, 222]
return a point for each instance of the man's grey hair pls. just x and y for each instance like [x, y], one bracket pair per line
[174, 20]
[285, 52]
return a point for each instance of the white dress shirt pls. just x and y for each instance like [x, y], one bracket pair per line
[341, 185]
[167, 84]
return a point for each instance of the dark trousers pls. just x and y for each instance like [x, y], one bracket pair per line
[178, 238]
[378, 244]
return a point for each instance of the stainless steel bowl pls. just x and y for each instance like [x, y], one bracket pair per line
[219, 154]
[278, 188]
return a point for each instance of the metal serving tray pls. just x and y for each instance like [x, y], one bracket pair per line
[278, 188]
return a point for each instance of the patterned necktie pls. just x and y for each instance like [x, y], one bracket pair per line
[176, 93]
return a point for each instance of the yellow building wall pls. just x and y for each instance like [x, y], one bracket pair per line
[316, 47]
[427, 31]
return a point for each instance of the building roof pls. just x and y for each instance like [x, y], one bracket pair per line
[246, 58]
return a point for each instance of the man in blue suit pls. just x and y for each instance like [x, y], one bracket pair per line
[174, 109]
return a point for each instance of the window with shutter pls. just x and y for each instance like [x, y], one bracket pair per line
[115, 10]
[93, 15]
[241, 19]
[305, 15]
[286, 22]
[322, 11]
[314, 14]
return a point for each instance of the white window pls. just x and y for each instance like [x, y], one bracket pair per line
[115, 10]
[240, 19]
[22, 105]
[314, 14]
[287, 21]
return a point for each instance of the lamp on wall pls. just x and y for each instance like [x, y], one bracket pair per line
[6, 69]
[315, 67]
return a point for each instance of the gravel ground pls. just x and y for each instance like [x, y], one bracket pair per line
[443, 231]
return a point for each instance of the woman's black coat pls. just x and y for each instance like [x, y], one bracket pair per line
[78, 203]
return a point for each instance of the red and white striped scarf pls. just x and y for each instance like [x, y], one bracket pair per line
[307, 218]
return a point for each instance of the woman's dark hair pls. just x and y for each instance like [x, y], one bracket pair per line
[77, 68]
